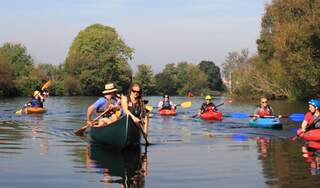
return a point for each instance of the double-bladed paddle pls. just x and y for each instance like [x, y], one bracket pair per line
[294, 117]
[196, 115]
[45, 86]
[186, 104]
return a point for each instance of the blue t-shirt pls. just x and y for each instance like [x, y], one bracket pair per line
[100, 104]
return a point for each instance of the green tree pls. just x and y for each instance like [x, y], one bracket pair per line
[213, 74]
[7, 77]
[145, 78]
[16, 54]
[166, 81]
[191, 78]
[98, 56]
[290, 44]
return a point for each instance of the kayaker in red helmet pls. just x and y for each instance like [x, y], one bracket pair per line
[312, 118]
[166, 103]
[207, 105]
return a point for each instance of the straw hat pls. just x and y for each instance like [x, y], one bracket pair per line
[35, 93]
[109, 88]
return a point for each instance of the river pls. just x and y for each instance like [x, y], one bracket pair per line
[42, 151]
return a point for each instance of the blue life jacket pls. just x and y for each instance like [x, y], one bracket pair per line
[166, 105]
[36, 102]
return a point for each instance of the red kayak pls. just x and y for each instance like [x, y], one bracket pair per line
[167, 112]
[211, 115]
[312, 135]
[314, 145]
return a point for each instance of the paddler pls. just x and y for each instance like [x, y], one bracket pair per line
[166, 103]
[264, 109]
[311, 118]
[133, 106]
[36, 100]
[108, 103]
[207, 105]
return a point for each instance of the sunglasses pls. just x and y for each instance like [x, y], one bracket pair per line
[263, 102]
[135, 91]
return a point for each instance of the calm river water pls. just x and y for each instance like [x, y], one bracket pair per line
[42, 151]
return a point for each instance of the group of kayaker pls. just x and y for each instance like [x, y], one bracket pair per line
[114, 105]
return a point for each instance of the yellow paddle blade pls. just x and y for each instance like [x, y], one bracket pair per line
[118, 113]
[19, 112]
[186, 104]
[149, 108]
[46, 85]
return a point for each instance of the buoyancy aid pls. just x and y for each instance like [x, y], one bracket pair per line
[315, 123]
[208, 107]
[36, 102]
[135, 108]
[166, 105]
[265, 111]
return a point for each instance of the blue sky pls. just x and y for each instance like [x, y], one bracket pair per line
[161, 32]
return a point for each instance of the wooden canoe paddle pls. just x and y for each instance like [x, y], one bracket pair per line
[80, 131]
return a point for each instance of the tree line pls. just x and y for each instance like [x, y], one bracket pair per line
[288, 59]
[98, 56]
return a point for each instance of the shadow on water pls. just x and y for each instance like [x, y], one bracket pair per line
[125, 167]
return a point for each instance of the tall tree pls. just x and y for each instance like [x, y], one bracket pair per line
[97, 56]
[145, 78]
[290, 41]
[213, 74]
[166, 81]
[191, 78]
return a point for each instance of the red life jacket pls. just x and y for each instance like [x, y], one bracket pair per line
[264, 112]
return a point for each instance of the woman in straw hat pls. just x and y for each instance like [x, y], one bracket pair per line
[133, 106]
[107, 103]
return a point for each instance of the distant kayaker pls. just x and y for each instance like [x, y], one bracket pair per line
[263, 109]
[108, 102]
[37, 100]
[133, 105]
[208, 105]
[166, 103]
[190, 94]
[311, 118]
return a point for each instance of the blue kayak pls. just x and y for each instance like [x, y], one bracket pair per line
[272, 122]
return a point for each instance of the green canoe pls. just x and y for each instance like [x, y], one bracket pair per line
[121, 133]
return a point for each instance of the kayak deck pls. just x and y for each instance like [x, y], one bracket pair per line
[272, 123]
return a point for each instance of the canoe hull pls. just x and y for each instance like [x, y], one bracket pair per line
[211, 115]
[121, 133]
[271, 123]
[167, 112]
[34, 110]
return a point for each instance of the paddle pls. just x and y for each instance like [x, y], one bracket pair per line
[45, 86]
[196, 115]
[80, 131]
[186, 104]
[294, 117]
[142, 132]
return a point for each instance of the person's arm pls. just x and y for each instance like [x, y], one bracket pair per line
[89, 114]
[146, 125]
[256, 112]
[307, 120]
[124, 105]
[160, 105]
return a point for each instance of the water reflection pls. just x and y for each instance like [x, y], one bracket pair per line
[311, 153]
[125, 167]
[282, 163]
